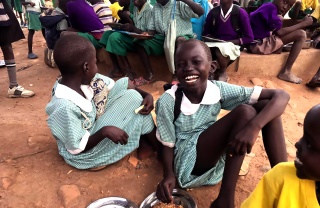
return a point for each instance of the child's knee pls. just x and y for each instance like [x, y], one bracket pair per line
[246, 112]
[300, 35]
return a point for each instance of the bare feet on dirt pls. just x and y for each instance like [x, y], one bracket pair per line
[289, 77]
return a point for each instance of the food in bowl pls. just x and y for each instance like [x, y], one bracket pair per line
[166, 205]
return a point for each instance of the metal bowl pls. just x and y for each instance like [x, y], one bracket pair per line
[180, 197]
[112, 202]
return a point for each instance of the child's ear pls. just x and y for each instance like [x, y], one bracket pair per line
[85, 67]
[213, 67]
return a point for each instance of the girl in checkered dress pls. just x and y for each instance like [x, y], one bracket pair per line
[200, 150]
[92, 117]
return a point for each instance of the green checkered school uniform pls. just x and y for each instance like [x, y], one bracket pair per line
[183, 134]
[160, 20]
[119, 43]
[72, 123]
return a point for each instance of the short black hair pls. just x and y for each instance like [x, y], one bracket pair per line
[71, 52]
[203, 45]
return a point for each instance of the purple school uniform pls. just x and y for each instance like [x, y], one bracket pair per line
[265, 20]
[224, 30]
[82, 17]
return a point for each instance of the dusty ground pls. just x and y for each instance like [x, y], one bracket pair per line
[32, 174]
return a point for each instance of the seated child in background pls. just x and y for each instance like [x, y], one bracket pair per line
[220, 25]
[200, 150]
[104, 13]
[85, 21]
[92, 117]
[54, 21]
[117, 44]
[302, 8]
[294, 185]
[158, 26]
[265, 21]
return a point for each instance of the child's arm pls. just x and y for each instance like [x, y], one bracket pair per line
[196, 8]
[245, 139]
[111, 132]
[307, 20]
[165, 187]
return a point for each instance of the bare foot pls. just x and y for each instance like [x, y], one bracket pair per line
[290, 78]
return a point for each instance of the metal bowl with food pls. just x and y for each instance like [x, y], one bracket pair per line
[180, 197]
[112, 202]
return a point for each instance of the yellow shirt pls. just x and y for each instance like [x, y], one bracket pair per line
[281, 188]
[115, 7]
[306, 4]
[316, 13]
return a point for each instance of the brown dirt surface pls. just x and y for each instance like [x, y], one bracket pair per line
[32, 174]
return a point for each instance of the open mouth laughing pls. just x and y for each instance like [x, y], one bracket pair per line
[191, 78]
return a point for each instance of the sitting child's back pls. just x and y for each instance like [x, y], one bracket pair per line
[264, 20]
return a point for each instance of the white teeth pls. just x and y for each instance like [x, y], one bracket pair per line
[297, 160]
[191, 78]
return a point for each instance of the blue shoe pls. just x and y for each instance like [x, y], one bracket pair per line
[32, 56]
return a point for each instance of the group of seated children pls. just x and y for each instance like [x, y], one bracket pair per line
[259, 33]
[97, 121]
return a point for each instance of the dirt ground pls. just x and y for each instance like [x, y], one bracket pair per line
[32, 174]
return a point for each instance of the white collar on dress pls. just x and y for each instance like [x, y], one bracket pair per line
[65, 92]
[210, 97]
[229, 11]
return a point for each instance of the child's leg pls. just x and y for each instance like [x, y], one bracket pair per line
[31, 55]
[273, 137]
[127, 67]
[21, 19]
[14, 89]
[298, 38]
[145, 61]
[10, 63]
[315, 81]
[116, 72]
[149, 143]
[212, 144]
[220, 73]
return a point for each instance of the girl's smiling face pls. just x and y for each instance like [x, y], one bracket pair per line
[192, 65]
[308, 147]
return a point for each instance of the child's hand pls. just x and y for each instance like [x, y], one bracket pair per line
[164, 189]
[32, 4]
[115, 134]
[148, 105]
[307, 20]
[243, 141]
[127, 27]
